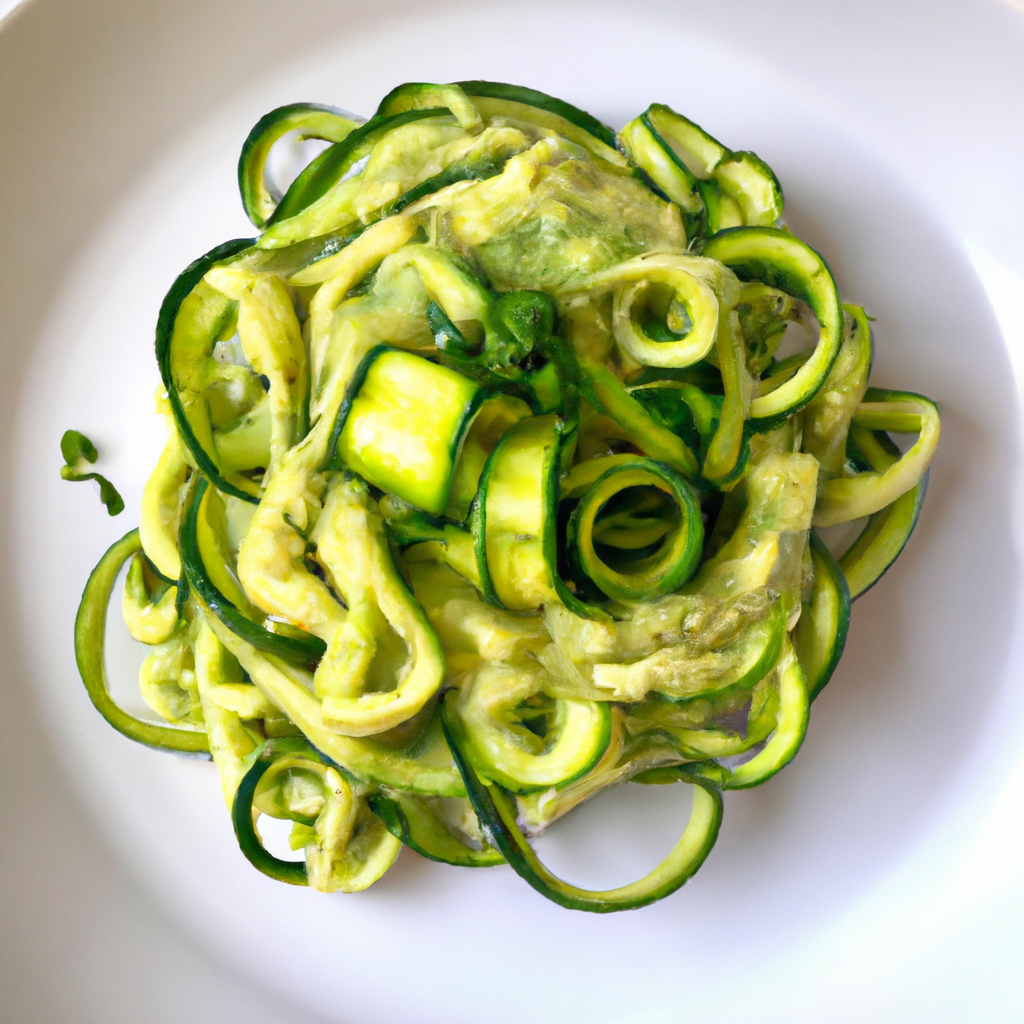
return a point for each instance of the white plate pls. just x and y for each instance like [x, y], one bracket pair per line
[880, 876]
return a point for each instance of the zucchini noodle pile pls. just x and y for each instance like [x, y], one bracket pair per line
[487, 488]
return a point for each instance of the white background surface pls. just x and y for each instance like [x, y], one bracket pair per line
[880, 877]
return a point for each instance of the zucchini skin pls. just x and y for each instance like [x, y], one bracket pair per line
[355, 874]
[182, 287]
[454, 352]
[790, 728]
[409, 820]
[848, 498]
[664, 576]
[496, 811]
[605, 392]
[303, 651]
[396, 99]
[314, 120]
[479, 171]
[714, 187]
[500, 758]
[665, 172]
[326, 170]
[545, 497]
[781, 260]
[292, 872]
[698, 431]
[90, 627]
[541, 100]
[820, 655]
[887, 532]
[427, 491]
[337, 853]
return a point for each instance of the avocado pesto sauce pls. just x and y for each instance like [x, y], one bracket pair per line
[491, 482]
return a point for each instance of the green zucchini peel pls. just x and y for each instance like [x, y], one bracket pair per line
[90, 630]
[496, 811]
[310, 121]
[347, 846]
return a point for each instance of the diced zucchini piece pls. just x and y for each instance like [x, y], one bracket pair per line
[404, 426]
[514, 510]
[515, 517]
[493, 418]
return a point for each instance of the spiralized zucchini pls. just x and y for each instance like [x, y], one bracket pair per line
[490, 484]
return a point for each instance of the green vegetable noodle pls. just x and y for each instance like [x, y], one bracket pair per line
[492, 481]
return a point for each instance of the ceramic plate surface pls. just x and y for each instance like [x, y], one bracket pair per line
[881, 876]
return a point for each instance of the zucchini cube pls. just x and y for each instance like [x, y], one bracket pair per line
[405, 425]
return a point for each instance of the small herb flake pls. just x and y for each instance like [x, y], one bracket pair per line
[76, 448]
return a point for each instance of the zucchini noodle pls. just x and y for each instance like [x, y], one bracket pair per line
[488, 487]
